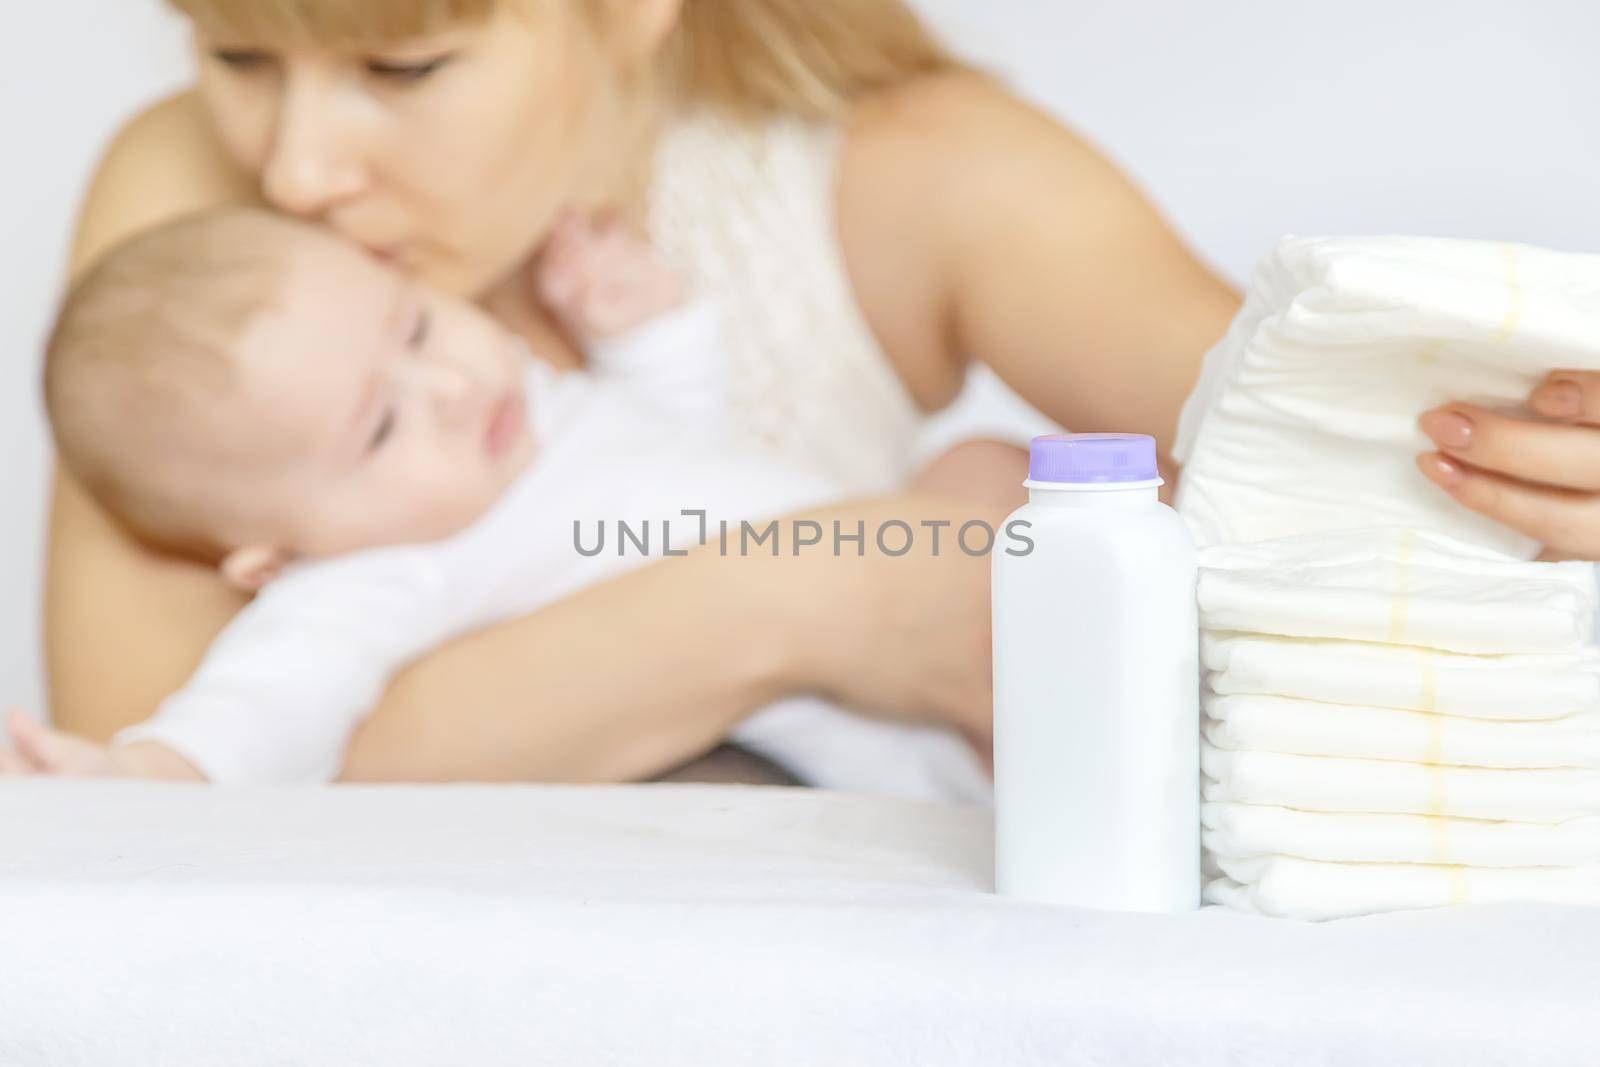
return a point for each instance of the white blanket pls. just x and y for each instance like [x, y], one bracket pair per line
[144, 924]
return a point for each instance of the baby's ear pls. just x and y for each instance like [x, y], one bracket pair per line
[253, 566]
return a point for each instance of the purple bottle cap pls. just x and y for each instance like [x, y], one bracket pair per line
[1093, 458]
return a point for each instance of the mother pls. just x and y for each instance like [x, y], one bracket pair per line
[874, 212]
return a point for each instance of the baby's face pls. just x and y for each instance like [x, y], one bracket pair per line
[388, 413]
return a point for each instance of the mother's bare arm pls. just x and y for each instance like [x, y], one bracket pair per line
[975, 226]
[124, 627]
[629, 678]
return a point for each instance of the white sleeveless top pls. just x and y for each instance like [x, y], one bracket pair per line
[748, 213]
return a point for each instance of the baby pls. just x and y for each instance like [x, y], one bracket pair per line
[388, 468]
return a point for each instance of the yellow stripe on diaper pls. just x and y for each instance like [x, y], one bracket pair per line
[1433, 758]
[1427, 681]
[1435, 753]
[1400, 599]
[1428, 702]
[1440, 852]
[1440, 825]
[1508, 326]
[1458, 885]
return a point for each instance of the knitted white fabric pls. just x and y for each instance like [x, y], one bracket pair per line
[748, 213]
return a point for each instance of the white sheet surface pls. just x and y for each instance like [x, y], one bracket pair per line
[159, 924]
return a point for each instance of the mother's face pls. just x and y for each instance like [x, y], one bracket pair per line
[449, 154]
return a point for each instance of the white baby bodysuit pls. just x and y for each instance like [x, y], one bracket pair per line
[634, 441]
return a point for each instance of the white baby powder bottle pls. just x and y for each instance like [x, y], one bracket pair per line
[1096, 684]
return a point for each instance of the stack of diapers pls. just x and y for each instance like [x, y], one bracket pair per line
[1400, 710]
[1394, 718]
[1305, 416]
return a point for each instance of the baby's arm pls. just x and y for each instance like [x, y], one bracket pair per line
[635, 319]
[283, 686]
[280, 690]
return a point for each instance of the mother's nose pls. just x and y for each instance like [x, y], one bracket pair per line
[314, 161]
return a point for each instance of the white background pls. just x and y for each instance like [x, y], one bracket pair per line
[1245, 120]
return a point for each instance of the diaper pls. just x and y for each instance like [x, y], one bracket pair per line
[1311, 728]
[1249, 831]
[1400, 710]
[1305, 416]
[1397, 586]
[1306, 889]
[1510, 687]
[1323, 783]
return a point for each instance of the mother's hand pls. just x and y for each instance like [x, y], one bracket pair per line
[1538, 474]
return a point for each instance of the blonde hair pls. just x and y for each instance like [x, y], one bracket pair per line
[805, 57]
[140, 351]
[748, 58]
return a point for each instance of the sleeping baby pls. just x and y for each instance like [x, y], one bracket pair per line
[388, 467]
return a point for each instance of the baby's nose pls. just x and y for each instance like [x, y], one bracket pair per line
[453, 392]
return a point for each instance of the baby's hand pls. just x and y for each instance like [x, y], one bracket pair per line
[43, 751]
[602, 280]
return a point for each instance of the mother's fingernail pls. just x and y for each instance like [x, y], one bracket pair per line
[1444, 471]
[1563, 399]
[1448, 428]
